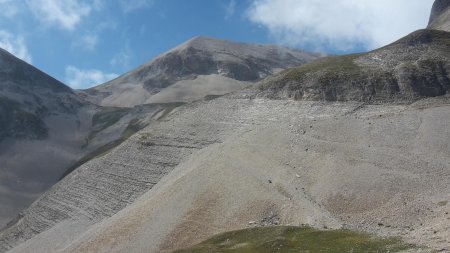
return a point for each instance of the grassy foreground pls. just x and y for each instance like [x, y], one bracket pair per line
[296, 239]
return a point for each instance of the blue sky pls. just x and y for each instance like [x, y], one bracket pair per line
[87, 42]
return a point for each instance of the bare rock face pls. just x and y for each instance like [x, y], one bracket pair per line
[439, 7]
[414, 67]
[198, 57]
[440, 15]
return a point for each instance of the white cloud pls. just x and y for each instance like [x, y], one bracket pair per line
[131, 5]
[81, 79]
[66, 14]
[87, 42]
[230, 9]
[340, 24]
[122, 59]
[15, 45]
[9, 8]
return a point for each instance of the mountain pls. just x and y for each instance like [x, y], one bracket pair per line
[356, 142]
[202, 66]
[187, 75]
[440, 16]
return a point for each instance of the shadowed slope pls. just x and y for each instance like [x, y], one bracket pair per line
[40, 124]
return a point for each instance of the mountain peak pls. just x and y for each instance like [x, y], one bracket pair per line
[26, 75]
[202, 57]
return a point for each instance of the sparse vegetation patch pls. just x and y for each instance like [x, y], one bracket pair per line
[296, 239]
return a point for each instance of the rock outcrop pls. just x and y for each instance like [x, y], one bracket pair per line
[414, 67]
[439, 6]
[440, 15]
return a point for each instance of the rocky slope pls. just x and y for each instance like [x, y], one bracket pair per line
[440, 16]
[414, 67]
[231, 163]
[201, 66]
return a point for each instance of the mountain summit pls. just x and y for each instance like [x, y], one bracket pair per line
[199, 67]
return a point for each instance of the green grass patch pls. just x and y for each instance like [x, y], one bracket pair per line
[330, 66]
[323, 70]
[296, 239]
[443, 203]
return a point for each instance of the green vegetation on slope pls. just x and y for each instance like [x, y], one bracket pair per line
[106, 117]
[327, 69]
[109, 116]
[423, 37]
[330, 66]
[132, 127]
[296, 239]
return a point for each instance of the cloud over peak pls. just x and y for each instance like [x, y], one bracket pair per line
[66, 14]
[81, 79]
[15, 45]
[131, 5]
[340, 24]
